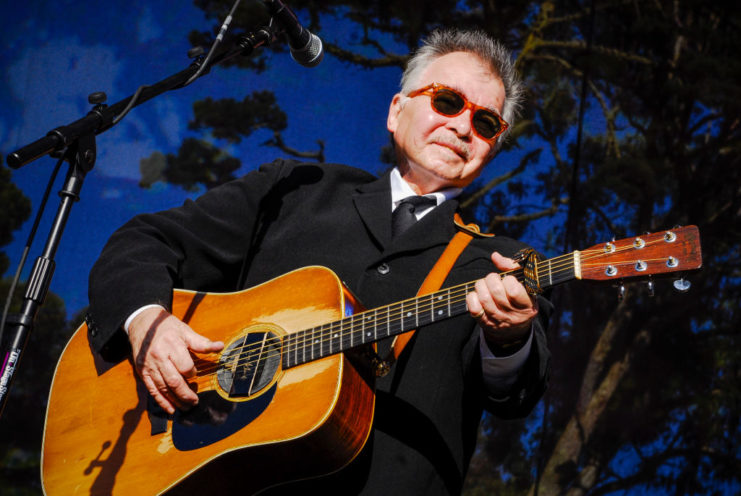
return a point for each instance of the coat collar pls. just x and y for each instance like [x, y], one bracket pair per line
[373, 204]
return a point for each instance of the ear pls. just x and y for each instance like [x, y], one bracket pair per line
[392, 121]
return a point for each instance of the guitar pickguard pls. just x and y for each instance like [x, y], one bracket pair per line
[216, 418]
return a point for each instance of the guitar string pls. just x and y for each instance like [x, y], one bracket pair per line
[332, 329]
[339, 333]
[517, 272]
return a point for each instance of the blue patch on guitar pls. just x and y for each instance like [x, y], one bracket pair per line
[215, 418]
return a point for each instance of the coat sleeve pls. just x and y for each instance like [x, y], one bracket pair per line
[200, 245]
[532, 380]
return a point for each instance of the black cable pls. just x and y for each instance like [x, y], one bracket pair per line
[209, 56]
[217, 41]
[27, 248]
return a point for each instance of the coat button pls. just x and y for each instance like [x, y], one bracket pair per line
[383, 269]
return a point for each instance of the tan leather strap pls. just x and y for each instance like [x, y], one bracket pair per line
[434, 280]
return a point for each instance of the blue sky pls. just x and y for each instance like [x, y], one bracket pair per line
[57, 53]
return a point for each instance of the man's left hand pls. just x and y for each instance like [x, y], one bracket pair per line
[502, 307]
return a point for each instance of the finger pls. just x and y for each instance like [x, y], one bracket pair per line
[199, 343]
[493, 293]
[474, 305]
[159, 396]
[503, 263]
[181, 358]
[516, 294]
[492, 311]
[179, 390]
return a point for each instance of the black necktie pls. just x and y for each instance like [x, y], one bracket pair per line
[403, 216]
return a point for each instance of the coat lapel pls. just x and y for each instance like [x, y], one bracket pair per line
[373, 204]
[434, 229]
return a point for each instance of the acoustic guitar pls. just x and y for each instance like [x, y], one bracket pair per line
[289, 397]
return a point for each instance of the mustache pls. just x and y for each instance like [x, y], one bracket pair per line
[461, 147]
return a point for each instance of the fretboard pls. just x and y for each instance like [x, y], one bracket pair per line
[383, 322]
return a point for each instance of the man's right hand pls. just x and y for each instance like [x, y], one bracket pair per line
[161, 345]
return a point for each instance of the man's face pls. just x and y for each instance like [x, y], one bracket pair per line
[435, 151]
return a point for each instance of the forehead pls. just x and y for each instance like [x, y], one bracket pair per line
[468, 74]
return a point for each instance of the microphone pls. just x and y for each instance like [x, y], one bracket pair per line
[306, 48]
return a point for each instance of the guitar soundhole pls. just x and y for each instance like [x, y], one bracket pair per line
[249, 364]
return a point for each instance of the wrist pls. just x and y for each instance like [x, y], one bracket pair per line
[506, 343]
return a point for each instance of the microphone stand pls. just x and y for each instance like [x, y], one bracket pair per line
[76, 144]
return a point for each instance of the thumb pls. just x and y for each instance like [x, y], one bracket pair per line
[201, 344]
[503, 263]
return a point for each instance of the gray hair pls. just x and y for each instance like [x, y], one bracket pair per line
[490, 51]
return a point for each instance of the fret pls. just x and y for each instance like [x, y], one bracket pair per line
[316, 343]
[346, 336]
[388, 321]
[408, 318]
[335, 345]
[395, 326]
[361, 330]
[436, 307]
[289, 343]
[303, 346]
[416, 312]
[458, 307]
[287, 351]
[424, 317]
[402, 315]
[295, 347]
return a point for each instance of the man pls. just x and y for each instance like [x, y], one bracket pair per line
[446, 127]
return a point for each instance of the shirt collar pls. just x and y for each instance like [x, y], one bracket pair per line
[400, 189]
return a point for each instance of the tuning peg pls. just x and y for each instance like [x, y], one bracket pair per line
[682, 285]
[650, 286]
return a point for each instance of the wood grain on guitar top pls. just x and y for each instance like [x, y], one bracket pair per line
[98, 438]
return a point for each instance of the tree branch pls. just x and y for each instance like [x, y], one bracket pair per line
[500, 219]
[582, 423]
[575, 44]
[389, 60]
[501, 179]
[277, 141]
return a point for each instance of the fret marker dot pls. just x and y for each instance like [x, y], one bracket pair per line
[409, 314]
[439, 312]
[368, 334]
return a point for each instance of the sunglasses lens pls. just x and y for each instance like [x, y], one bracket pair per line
[447, 102]
[487, 123]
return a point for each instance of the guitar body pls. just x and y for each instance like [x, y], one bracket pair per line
[103, 435]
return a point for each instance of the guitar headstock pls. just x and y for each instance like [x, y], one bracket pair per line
[674, 250]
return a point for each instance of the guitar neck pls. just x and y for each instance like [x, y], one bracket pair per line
[397, 318]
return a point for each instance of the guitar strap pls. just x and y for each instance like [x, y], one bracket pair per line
[433, 281]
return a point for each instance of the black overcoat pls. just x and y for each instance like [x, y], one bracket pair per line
[288, 215]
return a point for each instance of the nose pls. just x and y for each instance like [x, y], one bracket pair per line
[461, 125]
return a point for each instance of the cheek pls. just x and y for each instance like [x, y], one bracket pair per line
[417, 131]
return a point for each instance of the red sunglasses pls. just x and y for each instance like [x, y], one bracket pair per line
[487, 124]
